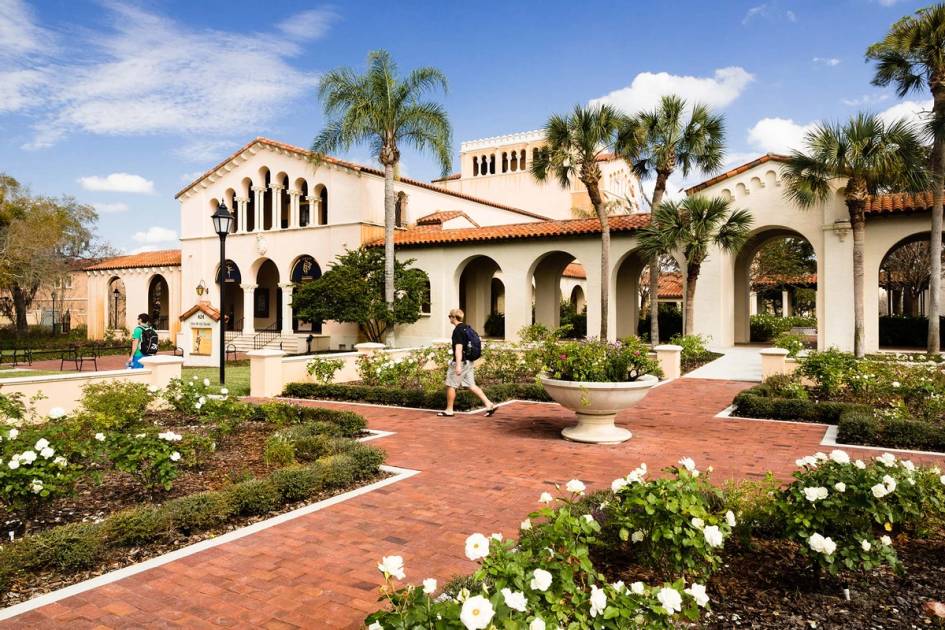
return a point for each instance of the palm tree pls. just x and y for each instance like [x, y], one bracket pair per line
[691, 226]
[868, 156]
[660, 141]
[912, 56]
[575, 143]
[380, 108]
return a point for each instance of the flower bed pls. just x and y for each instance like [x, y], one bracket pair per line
[657, 553]
[123, 479]
[876, 402]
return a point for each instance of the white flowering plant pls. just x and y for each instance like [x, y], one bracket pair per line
[153, 459]
[323, 369]
[200, 398]
[407, 371]
[842, 512]
[675, 525]
[543, 580]
[32, 471]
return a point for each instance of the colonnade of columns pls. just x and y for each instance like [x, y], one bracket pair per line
[294, 220]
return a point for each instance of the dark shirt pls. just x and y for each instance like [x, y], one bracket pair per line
[459, 339]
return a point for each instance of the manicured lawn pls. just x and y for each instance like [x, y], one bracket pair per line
[237, 376]
[23, 373]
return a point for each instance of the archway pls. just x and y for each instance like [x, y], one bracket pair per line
[625, 295]
[904, 278]
[482, 294]
[546, 277]
[117, 300]
[304, 270]
[775, 273]
[577, 299]
[284, 210]
[267, 298]
[232, 297]
[159, 302]
[268, 195]
[305, 211]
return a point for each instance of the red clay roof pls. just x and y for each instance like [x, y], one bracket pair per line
[448, 178]
[161, 258]
[778, 279]
[575, 270]
[355, 167]
[670, 285]
[213, 313]
[442, 216]
[423, 235]
[767, 157]
[897, 203]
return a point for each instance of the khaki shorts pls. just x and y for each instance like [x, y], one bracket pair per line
[466, 377]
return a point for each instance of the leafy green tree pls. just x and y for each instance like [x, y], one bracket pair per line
[660, 141]
[386, 111]
[692, 226]
[912, 57]
[575, 143]
[780, 261]
[869, 157]
[352, 290]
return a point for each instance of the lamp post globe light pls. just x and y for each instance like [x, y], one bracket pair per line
[222, 219]
[116, 293]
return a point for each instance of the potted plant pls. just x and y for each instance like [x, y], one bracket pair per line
[596, 379]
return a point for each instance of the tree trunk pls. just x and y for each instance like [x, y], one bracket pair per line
[390, 203]
[935, 240]
[593, 191]
[658, 189]
[692, 276]
[859, 331]
[19, 309]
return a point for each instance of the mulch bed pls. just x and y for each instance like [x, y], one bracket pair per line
[770, 587]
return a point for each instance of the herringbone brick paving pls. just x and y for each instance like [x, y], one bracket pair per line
[478, 474]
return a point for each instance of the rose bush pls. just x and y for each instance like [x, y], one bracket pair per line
[596, 360]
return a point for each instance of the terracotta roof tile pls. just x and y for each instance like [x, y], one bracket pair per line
[575, 270]
[778, 279]
[418, 237]
[355, 167]
[670, 286]
[738, 170]
[442, 216]
[213, 313]
[448, 178]
[161, 258]
[897, 203]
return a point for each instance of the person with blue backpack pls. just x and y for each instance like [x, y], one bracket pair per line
[144, 342]
[467, 347]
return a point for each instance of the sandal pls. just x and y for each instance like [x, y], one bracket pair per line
[491, 411]
[443, 414]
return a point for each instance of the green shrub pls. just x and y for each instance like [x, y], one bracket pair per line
[765, 326]
[115, 405]
[67, 548]
[465, 400]
[199, 512]
[323, 369]
[794, 344]
[495, 325]
[279, 450]
[693, 346]
[748, 404]
[337, 471]
[865, 427]
[253, 497]
[785, 386]
[670, 321]
[575, 323]
[596, 360]
[137, 526]
[830, 369]
[367, 460]
[349, 423]
[296, 482]
[753, 503]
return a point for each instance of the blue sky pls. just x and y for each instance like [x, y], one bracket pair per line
[120, 104]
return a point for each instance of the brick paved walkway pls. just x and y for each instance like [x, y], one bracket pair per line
[478, 474]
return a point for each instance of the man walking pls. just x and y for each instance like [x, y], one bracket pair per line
[466, 348]
[144, 342]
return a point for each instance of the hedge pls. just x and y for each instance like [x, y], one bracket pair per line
[76, 546]
[900, 331]
[423, 399]
[670, 320]
[756, 403]
[863, 428]
[349, 423]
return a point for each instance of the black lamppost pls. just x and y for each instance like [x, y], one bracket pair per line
[221, 224]
[117, 294]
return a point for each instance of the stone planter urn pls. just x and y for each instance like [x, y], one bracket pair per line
[596, 405]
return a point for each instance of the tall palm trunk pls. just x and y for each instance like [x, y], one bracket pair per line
[594, 193]
[658, 189]
[692, 276]
[858, 222]
[390, 203]
[935, 240]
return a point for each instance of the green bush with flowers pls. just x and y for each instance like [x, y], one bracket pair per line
[197, 397]
[32, 470]
[599, 361]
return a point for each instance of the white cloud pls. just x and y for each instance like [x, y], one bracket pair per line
[915, 112]
[155, 234]
[778, 135]
[826, 61]
[768, 11]
[308, 25]
[205, 150]
[118, 182]
[866, 99]
[148, 74]
[110, 208]
[19, 32]
[644, 92]
[888, 3]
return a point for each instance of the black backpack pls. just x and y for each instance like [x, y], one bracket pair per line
[149, 341]
[472, 349]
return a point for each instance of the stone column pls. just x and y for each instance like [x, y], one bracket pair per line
[163, 368]
[785, 303]
[259, 203]
[773, 362]
[314, 209]
[249, 325]
[265, 372]
[294, 197]
[241, 203]
[287, 309]
[752, 303]
[669, 357]
[276, 206]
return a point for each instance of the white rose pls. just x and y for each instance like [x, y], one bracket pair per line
[859, 464]
[429, 586]
[526, 524]
[206, 382]
[14, 463]
[375, 626]
[537, 624]
[100, 437]
[889, 482]
[879, 491]
[41, 443]
[477, 546]
[840, 486]
[477, 613]
[618, 484]
[392, 565]
[56, 412]
[713, 536]
[942, 479]
[839, 456]
[545, 498]
[690, 465]
[175, 456]
[698, 523]
[821, 456]
[697, 591]
[153, 389]
[637, 536]
[575, 486]
[865, 545]
[496, 536]
[896, 384]
[820, 544]
[13, 434]
[730, 518]
[886, 540]
[637, 588]
[36, 486]
[670, 599]
[541, 580]
[28, 456]
[47, 452]
[224, 391]
[598, 600]
[887, 459]
[589, 518]
[514, 599]
[815, 494]
[907, 464]
[61, 461]
[619, 586]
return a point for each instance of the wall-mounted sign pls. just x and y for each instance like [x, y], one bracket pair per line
[202, 340]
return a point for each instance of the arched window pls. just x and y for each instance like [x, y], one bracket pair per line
[505, 162]
[521, 161]
[514, 163]
[534, 154]
[426, 299]
[400, 209]
[285, 203]
[229, 197]
[116, 304]
[492, 164]
[267, 203]
[159, 303]
[306, 269]
[475, 166]
[305, 206]
[323, 207]
[250, 222]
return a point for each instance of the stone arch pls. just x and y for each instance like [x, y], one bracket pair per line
[250, 197]
[267, 297]
[578, 299]
[229, 198]
[283, 208]
[305, 269]
[268, 200]
[475, 165]
[544, 277]
[474, 280]
[625, 293]
[159, 302]
[117, 304]
[233, 307]
[321, 195]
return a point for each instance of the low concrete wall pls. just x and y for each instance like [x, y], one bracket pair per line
[65, 390]
[776, 361]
